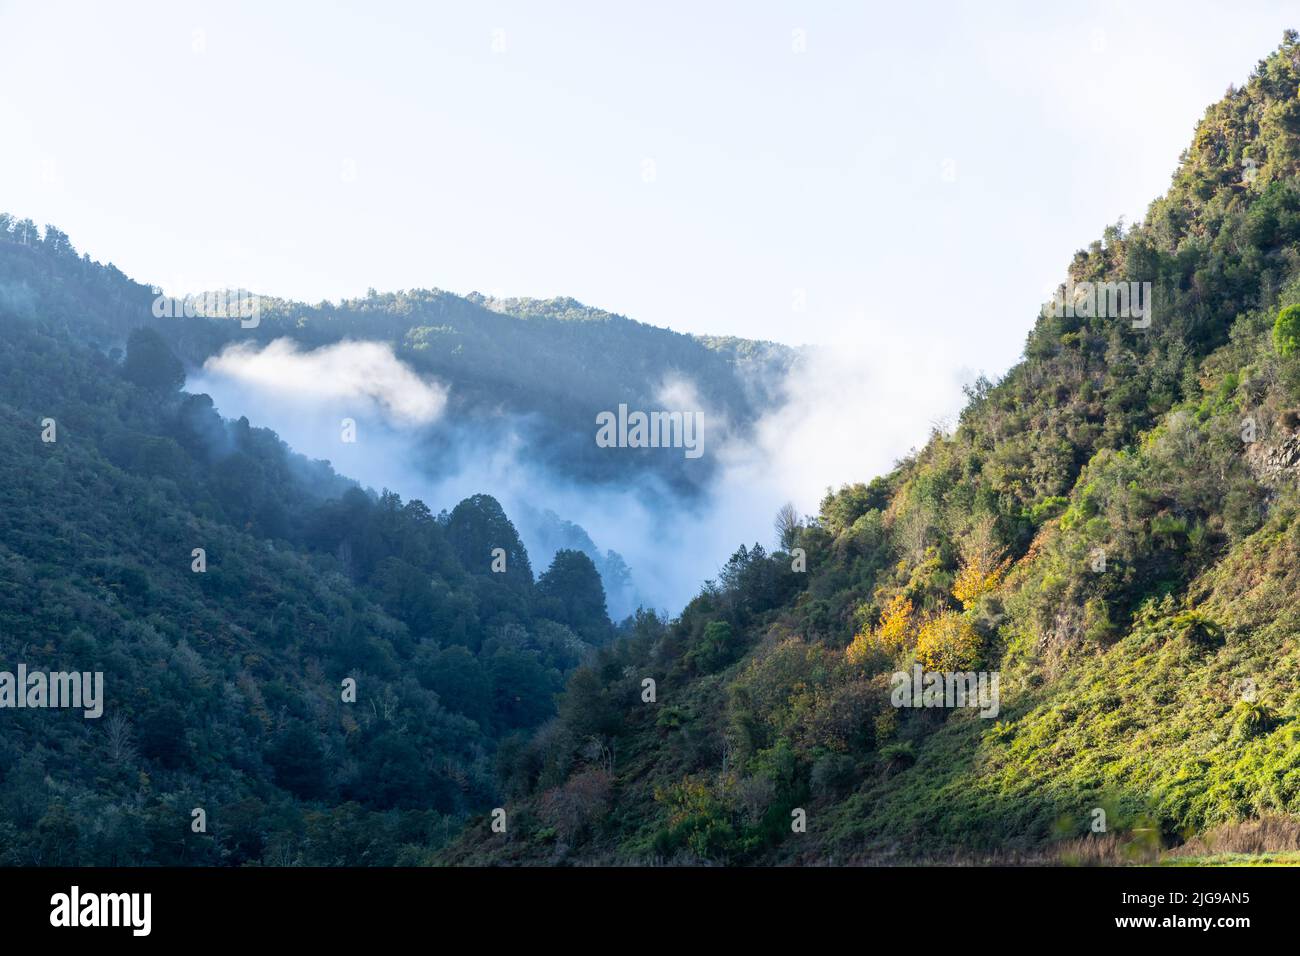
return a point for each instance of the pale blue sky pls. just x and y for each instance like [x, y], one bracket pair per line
[314, 150]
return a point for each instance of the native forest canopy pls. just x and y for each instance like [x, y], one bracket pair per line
[1113, 529]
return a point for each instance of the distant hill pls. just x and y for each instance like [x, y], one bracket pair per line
[555, 362]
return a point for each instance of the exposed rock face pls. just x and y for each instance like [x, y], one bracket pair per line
[1276, 461]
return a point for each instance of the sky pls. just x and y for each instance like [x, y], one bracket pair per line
[900, 185]
[803, 172]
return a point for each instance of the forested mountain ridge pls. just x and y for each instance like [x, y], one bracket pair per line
[1113, 530]
[325, 673]
[552, 365]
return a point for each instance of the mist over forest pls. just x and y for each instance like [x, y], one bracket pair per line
[445, 432]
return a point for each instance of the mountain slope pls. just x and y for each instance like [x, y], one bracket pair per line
[326, 674]
[1111, 530]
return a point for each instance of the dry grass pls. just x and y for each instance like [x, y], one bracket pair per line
[1275, 833]
[1135, 848]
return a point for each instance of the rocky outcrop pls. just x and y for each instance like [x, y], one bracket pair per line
[1275, 461]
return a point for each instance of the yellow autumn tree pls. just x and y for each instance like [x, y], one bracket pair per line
[947, 642]
[890, 635]
[977, 577]
[982, 565]
[859, 648]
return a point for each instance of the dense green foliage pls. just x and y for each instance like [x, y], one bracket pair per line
[225, 687]
[1286, 330]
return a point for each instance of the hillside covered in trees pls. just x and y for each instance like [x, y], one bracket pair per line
[335, 676]
[1113, 529]
[518, 384]
[326, 673]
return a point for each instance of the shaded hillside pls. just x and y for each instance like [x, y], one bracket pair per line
[1112, 529]
[229, 590]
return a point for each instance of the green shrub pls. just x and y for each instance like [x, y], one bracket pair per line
[1048, 508]
[896, 757]
[1198, 629]
[714, 649]
[1254, 719]
[832, 774]
[1286, 330]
